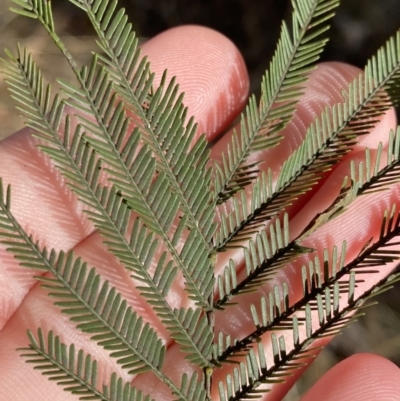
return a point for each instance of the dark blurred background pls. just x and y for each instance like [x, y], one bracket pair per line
[358, 29]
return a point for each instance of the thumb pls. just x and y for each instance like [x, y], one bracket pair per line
[358, 378]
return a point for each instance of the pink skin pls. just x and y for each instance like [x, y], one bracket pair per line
[212, 73]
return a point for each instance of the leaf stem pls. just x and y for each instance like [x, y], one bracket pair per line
[312, 293]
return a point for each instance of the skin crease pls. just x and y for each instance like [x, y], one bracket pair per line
[212, 73]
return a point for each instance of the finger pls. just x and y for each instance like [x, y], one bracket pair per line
[358, 378]
[43, 205]
[210, 70]
[47, 208]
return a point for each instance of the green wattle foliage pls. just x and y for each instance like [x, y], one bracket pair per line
[152, 187]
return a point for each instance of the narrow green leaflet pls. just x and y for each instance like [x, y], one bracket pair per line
[371, 178]
[95, 307]
[318, 280]
[128, 151]
[133, 175]
[76, 372]
[79, 164]
[103, 116]
[328, 139]
[322, 293]
[365, 179]
[192, 388]
[154, 111]
[298, 49]
[263, 257]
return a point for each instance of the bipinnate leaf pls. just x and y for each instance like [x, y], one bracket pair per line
[328, 139]
[75, 371]
[324, 285]
[298, 48]
[127, 149]
[263, 257]
[159, 113]
[107, 209]
[133, 173]
[96, 308]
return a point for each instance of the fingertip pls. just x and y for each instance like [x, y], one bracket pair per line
[209, 69]
[358, 378]
[325, 88]
[380, 132]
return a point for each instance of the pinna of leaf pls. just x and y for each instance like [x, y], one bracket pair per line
[172, 216]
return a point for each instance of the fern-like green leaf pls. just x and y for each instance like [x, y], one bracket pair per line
[161, 127]
[152, 193]
[330, 137]
[298, 49]
[132, 173]
[263, 258]
[96, 308]
[76, 372]
[327, 281]
[78, 163]
[366, 179]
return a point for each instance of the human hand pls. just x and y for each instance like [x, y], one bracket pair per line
[213, 76]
